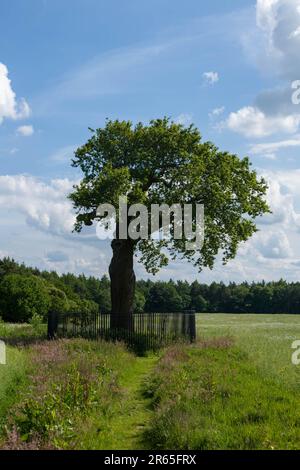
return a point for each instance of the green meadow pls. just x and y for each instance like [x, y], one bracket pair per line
[267, 340]
[235, 388]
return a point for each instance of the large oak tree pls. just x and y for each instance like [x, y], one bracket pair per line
[165, 163]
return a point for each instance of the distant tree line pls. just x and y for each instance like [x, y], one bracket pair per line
[26, 291]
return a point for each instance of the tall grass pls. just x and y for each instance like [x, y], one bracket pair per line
[267, 339]
[70, 380]
[211, 396]
[234, 389]
[13, 379]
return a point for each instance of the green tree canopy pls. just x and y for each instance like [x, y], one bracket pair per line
[163, 297]
[58, 300]
[164, 163]
[22, 296]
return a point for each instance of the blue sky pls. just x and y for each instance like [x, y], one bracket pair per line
[67, 65]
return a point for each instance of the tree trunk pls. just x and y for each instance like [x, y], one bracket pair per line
[122, 280]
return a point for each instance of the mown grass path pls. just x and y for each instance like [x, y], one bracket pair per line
[126, 428]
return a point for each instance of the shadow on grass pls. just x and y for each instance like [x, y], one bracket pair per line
[22, 341]
[19, 335]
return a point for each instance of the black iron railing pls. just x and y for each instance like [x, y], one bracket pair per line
[147, 330]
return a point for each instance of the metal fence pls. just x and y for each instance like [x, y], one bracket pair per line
[147, 331]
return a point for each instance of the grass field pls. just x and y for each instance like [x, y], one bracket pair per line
[267, 339]
[236, 388]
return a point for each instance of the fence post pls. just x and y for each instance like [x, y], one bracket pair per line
[52, 325]
[192, 326]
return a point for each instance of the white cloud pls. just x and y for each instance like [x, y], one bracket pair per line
[273, 244]
[216, 112]
[57, 256]
[9, 106]
[40, 219]
[63, 154]
[252, 122]
[288, 181]
[269, 156]
[274, 46]
[25, 131]
[270, 148]
[210, 78]
[44, 205]
[281, 200]
[185, 119]
[266, 15]
[4, 254]
[105, 74]
[279, 20]
[295, 33]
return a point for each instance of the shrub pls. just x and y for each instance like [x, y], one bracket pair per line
[23, 296]
[58, 300]
[36, 321]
